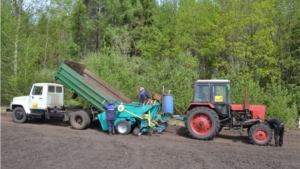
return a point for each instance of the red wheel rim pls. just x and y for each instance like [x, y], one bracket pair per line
[201, 124]
[261, 135]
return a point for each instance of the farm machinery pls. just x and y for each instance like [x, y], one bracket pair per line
[46, 101]
[147, 118]
[211, 110]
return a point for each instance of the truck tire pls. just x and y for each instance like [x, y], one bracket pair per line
[88, 121]
[79, 120]
[260, 134]
[88, 118]
[203, 123]
[123, 127]
[19, 115]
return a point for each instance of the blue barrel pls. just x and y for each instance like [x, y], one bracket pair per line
[167, 103]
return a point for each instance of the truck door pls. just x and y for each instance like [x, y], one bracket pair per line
[37, 97]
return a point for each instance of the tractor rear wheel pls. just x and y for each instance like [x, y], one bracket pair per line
[260, 134]
[203, 123]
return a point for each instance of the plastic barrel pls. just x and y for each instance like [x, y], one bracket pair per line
[167, 103]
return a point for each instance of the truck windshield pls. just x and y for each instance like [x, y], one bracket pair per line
[37, 90]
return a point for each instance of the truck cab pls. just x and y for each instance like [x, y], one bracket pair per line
[41, 97]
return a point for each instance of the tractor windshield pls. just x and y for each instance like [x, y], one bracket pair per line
[221, 94]
[202, 93]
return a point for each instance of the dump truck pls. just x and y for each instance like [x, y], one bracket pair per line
[46, 101]
[211, 110]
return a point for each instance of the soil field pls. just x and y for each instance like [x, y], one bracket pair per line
[54, 144]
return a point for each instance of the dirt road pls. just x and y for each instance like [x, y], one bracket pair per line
[51, 144]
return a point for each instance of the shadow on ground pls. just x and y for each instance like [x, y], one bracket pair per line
[182, 131]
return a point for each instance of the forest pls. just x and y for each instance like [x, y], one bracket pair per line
[156, 44]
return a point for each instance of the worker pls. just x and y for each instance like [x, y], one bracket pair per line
[278, 127]
[40, 92]
[111, 113]
[144, 95]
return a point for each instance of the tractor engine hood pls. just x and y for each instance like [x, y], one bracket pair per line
[258, 111]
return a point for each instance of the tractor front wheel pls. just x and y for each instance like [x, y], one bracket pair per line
[260, 134]
[19, 115]
[203, 123]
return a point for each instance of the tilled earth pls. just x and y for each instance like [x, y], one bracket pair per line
[54, 144]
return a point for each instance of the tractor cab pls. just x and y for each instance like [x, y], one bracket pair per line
[215, 92]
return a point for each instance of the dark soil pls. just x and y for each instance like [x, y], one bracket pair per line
[51, 144]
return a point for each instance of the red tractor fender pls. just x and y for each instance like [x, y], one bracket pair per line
[192, 105]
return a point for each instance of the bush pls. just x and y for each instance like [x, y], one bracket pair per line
[126, 74]
[280, 104]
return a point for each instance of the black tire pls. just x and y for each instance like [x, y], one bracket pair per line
[260, 134]
[79, 120]
[19, 115]
[203, 123]
[123, 127]
[88, 119]
[136, 131]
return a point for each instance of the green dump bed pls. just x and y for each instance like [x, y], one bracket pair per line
[82, 82]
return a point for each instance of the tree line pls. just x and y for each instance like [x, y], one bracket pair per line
[168, 43]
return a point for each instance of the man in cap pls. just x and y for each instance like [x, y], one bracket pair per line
[111, 113]
[278, 127]
[144, 95]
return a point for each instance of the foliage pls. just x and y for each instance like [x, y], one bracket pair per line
[282, 106]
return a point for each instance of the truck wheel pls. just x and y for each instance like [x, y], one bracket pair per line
[79, 120]
[260, 134]
[19, 115]
[203, 123]
[88, 118]
[123, 127]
